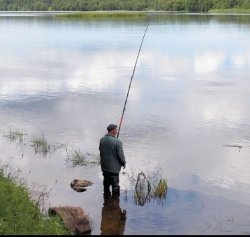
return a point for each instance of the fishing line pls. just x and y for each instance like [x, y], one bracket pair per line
[131, 79]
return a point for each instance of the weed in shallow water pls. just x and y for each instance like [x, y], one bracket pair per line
[15, 135]
[40, 145]
[148, 186]
[76, 157]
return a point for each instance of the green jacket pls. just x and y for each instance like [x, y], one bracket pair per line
[111, 152]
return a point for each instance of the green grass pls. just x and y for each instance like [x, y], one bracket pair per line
[230, 11]
[103, 15]
[19, 215]
[136, 15]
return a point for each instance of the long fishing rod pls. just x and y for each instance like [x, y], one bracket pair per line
[125, 103]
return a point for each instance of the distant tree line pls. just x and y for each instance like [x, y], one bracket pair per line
[133, 5]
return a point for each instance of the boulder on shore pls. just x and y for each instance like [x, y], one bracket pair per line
[75, 220]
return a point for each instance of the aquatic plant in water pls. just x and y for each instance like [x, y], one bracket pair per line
[40, 145]
[76, 157]
[148, 186]
[158, 184]
[160, 189]
[94, 159]
[15, 135]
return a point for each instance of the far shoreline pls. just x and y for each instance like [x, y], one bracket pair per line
[70, 13]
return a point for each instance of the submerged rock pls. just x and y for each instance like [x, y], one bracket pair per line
[79, 185]
[74, 219]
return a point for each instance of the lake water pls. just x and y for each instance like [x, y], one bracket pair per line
[188, 113]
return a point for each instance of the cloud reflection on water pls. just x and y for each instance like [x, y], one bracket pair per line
[188, 99]
[56, 71]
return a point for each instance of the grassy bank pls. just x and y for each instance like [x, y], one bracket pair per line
[104, 13]
[19, 215]
[230, 11]
[137, 15]
[101, 15]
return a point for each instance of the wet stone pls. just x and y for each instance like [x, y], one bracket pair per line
[80, 185]
[74, 219]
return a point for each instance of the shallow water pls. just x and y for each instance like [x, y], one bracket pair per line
[188, 113]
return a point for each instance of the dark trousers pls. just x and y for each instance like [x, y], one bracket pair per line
[112, 180]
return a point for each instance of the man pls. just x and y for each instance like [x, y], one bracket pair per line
[112, 159]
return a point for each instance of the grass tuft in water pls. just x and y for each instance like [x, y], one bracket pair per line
[76, 157]
[58, 146]
[158, 184]
[40, 145]
[94, 159]
[15, 135]
[148, 186]
[160, 189]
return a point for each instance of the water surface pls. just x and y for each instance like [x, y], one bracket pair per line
[188, 112]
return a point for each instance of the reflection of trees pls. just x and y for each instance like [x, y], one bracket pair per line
[113, 218]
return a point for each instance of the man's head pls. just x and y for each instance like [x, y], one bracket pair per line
[112, 129]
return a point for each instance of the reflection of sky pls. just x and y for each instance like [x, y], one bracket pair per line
[52, 72]
[189, 96]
